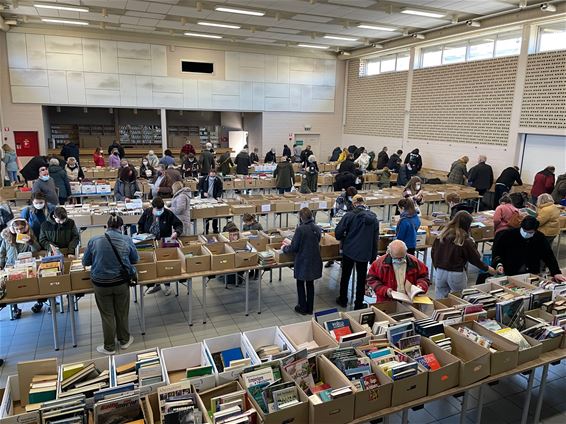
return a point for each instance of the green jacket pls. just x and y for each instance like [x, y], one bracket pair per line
[64, 236]
[284, 175]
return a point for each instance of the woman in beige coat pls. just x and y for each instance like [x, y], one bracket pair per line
[548, 216]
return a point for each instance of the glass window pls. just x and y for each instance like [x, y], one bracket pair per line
[402, 61]
[481, 48]
[454, 53]
[431, 56]
[508, 44]
[372, 67]
[552, 37]
[388, 63]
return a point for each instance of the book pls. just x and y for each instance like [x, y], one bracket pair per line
[258, 376]
[429, 361]
[326, 315]
[407, 297]
[511, 313]
[126, 406]
[338, 333]
[367, 318]
[229, 355]
[199, 371]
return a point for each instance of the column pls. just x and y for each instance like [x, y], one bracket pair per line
[164, 143]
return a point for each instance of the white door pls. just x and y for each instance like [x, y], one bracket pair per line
[540, 151]
[305, 139]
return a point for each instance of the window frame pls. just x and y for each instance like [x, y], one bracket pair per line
[540, 28]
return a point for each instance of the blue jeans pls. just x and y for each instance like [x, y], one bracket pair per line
[13, 175]
[284, 190]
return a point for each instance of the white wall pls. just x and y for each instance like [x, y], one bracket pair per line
[540, 151]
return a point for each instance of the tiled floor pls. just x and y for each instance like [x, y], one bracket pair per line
[166, 320]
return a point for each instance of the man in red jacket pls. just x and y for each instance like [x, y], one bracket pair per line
[395, 271]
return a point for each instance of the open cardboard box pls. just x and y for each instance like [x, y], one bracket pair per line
[245, 254]
[171, 261]
[200, 259]
[475, 359]
[204, 397]
[257, 239]
[355, 316]
[125, 358]
[280, 257]
[306, 331]
[548, 344]
[222, 256]
[80, 280]
[12, 409]
[55, 285]
[22, 288]
[356, 327]
[146, 266]
[29, 369]
[448, 375]
[222, 343]
[410, 388]
[255, 339]
[177, 359]
[101, 364]
[329, 247]
[393, 307]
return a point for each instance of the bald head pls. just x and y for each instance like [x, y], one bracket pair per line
[482, 158]
[397, 249]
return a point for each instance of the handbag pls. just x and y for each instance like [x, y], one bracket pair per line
[132, 279]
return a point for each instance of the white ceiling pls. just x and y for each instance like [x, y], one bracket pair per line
[286, 22]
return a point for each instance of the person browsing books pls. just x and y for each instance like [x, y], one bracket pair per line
[110, 257]
[59, 232]
[397, 272]
[451, 252]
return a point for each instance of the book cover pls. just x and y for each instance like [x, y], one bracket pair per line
[229, 355]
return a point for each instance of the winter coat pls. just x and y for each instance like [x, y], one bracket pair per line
[342, 204]
[381, 275]
[519, 255]
[11, 161]
[186, 150]
[344, 180]
[242, 162]
[480, 177]
[393, 163]
[406, 230]
[61, 180]
[382, 159]
[225, 164]
[114, 161]
[174, 175]
[458, 173]
[143, 173]
[384, 178]
[190, 168]
[48, 188]
[559, 191]
[270, 157]
[168, 222]
[162, 185]
[335, 154]
[6, 215]
[284, 175]
[254, 158]
[544, 183]
[347, 166]
[463, 206]
[153, 160]
[35, 218]
[206, 161]
[508, 177]
[306, 247]
[502, 216]
[297, 153]
[358, 231]
[64, 236]
[121, 152]
[254, 226]
[343, 156]
[70, 150]
[403, 176]
[311, 177]
[31, 169]
[217, 189]
[415, 160]
[357, 153]
[287, 151]
[166, 161]
[74, 174]
[125, 189]
[548, 216]
[98, 160]
[181, 207]
[363, 160]
[9, 249]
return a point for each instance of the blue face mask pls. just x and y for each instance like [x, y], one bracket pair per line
[398, 261]
[44, 177]
[525, 234]
[158, 212]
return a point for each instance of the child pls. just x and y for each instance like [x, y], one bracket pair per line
[250, 223]
[232, 230]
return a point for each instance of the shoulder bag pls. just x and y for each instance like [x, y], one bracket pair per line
[131, 278]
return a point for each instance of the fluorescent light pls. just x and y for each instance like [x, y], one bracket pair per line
[240, 11]
[312, 46]
[61, 7]
[377, 28]
[63, 21]
[214, 24]
[197, 34]
[335, 37]
[423, 13]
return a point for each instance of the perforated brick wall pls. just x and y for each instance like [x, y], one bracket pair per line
[375, 104]
[544, 97]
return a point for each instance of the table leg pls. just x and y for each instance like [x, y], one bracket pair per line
[353, 281]
[528, 397]
[190, 293]
[142, 312]
[480, 404]
[71, 299]
[541, 393]
[53, 303]
[405, 416]
[385, 419]
[204, 300]
[280, 272]
[176, 289]
[135, 295]
[194, 226]
[247, 283]
[464, 407]
[259, 281]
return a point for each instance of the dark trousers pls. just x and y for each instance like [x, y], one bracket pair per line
[361, 271]
[114, 306]
[306, 300]
[284, 190]
[214, 226]
[499, 190]
[411, 250]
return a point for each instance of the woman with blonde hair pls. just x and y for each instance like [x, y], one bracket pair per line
[458, 171]
[11, 161]
[343, 156]
[548, 216]
[451, 252]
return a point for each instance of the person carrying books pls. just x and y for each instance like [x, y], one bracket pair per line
[358, 231]
[397, 271]
[111, 257]
[451, 252]
[308, 262]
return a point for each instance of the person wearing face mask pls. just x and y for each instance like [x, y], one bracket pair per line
[344, 202]
[181, 205]
[114, 159]
[147, 172]
[98, 157]
[152, 158]
[59, 232]
[211, 187]
[46, 185]
[74, 170]
[451, 252]
[61, 180]
[190, 167]
[521, 250]
[37, 213]
[254, 157]
[414, 191]
[117, 146]
[396, 271]
[126, 185]
[162, 184]
[162, 223]
[308, 262]
[11, 247]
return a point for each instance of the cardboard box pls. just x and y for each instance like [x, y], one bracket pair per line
[12, 409]
[242, 209]
[125, 358]
[256, 339]
[83, 220]
[171, 261]
[99, 219]
[356, 327]
[23, 194]
[75, 187]
[548, 344]
[258, 240]
[177, 359]
[146, 266]
[29, 369]
[475, 360]
[264, 207]
[448, 375]
[222, 256]
[200, 260]
[8, 193]
[59, 284]
[371, 401]
[244, 259]
[307, 331]
[228, 185]
[280, 257]
[221, 343]
[88, 188]
[103, 189]
[329, 247]
[410, 388]
[283, 206]
[221, 209]
[224, 389]
[80, 280]
[22, 288]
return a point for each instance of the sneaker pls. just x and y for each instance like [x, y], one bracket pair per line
[167, 291]
[127, 344]
[101, 349]
[361, 306]
[154, 289]
[342, 302]
[37, 307]
[329, 264]
[1, 362]
[17, 313]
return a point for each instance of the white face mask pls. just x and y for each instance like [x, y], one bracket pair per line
[398, 261]
[60, 221]
[525, 234]
[39, 205]
[417, 186]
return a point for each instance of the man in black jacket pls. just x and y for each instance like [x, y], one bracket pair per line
[70, 150]
[243, 162]
[343, 180]
[505, 181]
[480, 176]
[358, 230]
[521, 250]
[395, 161]
[211, 187]
[348, 165]
[382, 158]
[415, 161]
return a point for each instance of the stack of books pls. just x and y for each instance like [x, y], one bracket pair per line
[271, 393]
[403, 337]
[394, 364]
[428, 327]
[341, 330]
[474, 296]
[511, 313]
[231, 408]
[271, 352]
[429, 361]
[543, 331]
[229, 359]
[71, 410]
[123, 402]
[51, 266]
[266, 258]
[83, 378]
[356, 368]
[442, 341]
[43, 388]
[447, 316]
[560, 320]
[476, 338]
[144, 371]
[178, 404]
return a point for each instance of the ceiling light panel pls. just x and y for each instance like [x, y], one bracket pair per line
[219, 25]
[63, 21]
[239, 11]
[201, 35]
[55, 6]
[339, 37]
[424, 13]
[377, 27]
[313, 46]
